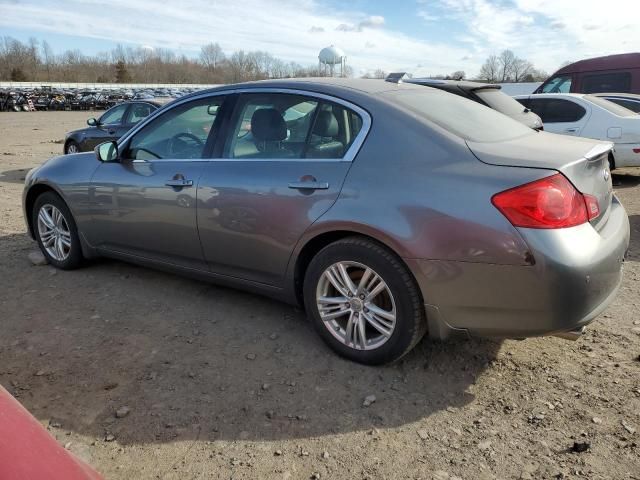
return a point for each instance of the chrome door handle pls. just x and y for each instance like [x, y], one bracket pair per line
[181, 182]
[309, 185]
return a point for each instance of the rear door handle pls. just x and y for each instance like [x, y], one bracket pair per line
[309, 185]
[180, 182]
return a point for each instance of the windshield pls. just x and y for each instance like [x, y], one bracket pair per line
[614, 108]
[460, 116]
[499, 101]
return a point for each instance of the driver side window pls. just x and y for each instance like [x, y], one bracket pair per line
[179, 133]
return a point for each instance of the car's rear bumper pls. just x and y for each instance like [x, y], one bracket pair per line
[576, 274]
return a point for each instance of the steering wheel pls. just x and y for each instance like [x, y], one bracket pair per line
[184, 139]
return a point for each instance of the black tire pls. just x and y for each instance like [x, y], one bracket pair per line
[411, 324]
[71, 144]
[74, 257]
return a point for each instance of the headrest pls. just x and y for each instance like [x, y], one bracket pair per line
[326, 124]
[267, 125]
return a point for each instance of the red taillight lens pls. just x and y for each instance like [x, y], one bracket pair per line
[551, 202]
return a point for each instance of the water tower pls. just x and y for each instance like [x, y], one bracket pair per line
[329, 57]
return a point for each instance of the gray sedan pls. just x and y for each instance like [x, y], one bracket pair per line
[387, 210]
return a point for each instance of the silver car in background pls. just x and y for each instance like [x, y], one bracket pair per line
[388, 210]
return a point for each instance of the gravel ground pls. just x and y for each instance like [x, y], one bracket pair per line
[148, 375]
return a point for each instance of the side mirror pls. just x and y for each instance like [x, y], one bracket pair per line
[107, 152]
[213, 109]
[92, 122]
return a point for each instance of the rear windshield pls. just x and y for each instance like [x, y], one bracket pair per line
[614, 108]
[499, 101]
[460, 116]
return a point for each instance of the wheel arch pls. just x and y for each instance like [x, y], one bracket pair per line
[315, 242]
[30, 199]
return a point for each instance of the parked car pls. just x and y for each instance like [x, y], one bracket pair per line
[111, 125]
[388, 210]
[626, 100]
[27, 451]
[592, 117]
[613, 73]
[486, 94]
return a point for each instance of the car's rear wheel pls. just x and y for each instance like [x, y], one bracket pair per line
[71, 147]
[56, 232]
[363, 301]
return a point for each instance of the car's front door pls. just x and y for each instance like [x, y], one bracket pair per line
[145, 203]
[109, 127]
[282, 166]
[560, 115]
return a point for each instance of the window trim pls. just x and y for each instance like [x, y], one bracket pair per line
[349, 155]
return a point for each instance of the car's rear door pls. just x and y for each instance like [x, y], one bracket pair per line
[560, 115]
[282, 166]
[145, 204]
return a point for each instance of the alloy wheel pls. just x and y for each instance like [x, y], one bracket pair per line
[54, 232]
[356, 305]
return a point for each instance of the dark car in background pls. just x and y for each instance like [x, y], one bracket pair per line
[487, 94]
[613, 73]
[626, 100]
[111, 125]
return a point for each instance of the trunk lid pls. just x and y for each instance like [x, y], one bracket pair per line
[583, 161]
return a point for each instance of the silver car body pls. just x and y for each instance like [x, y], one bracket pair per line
[407, 182]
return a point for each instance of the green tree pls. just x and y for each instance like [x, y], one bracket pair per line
[122, 74]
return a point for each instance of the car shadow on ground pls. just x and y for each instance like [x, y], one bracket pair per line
[193, 360]
[625, 179]
[14, 176]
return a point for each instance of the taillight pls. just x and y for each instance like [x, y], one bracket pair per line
[551, 202]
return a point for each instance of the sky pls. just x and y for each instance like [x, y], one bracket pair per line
[423, 37]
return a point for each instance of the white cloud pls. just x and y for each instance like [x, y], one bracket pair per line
[294, 30]
[546, 32]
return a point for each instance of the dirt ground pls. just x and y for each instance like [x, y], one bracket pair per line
[224, 384]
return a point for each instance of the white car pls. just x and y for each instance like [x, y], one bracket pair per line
[589, 116]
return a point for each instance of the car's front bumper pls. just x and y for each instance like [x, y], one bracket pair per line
[576, 274]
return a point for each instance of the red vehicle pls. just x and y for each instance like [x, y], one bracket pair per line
[613, 73]
[28, 452]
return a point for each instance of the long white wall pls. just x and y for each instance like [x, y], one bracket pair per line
[102, 86]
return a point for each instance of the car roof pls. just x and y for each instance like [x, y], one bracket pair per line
[330, 85]
[609, 62]
[552, 95]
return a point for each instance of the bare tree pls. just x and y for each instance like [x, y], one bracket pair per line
[520, 68]
[489, 70]
[211, 55]
[506, 61]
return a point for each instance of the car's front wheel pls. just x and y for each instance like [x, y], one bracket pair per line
[363, 301]
[56, 232]
[71, 147]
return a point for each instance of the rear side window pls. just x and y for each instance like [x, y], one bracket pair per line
[610, 106]
[630, 104]
[559, 84]
[555, 110]
[607, 82]
[460, 116]
[283, 126]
